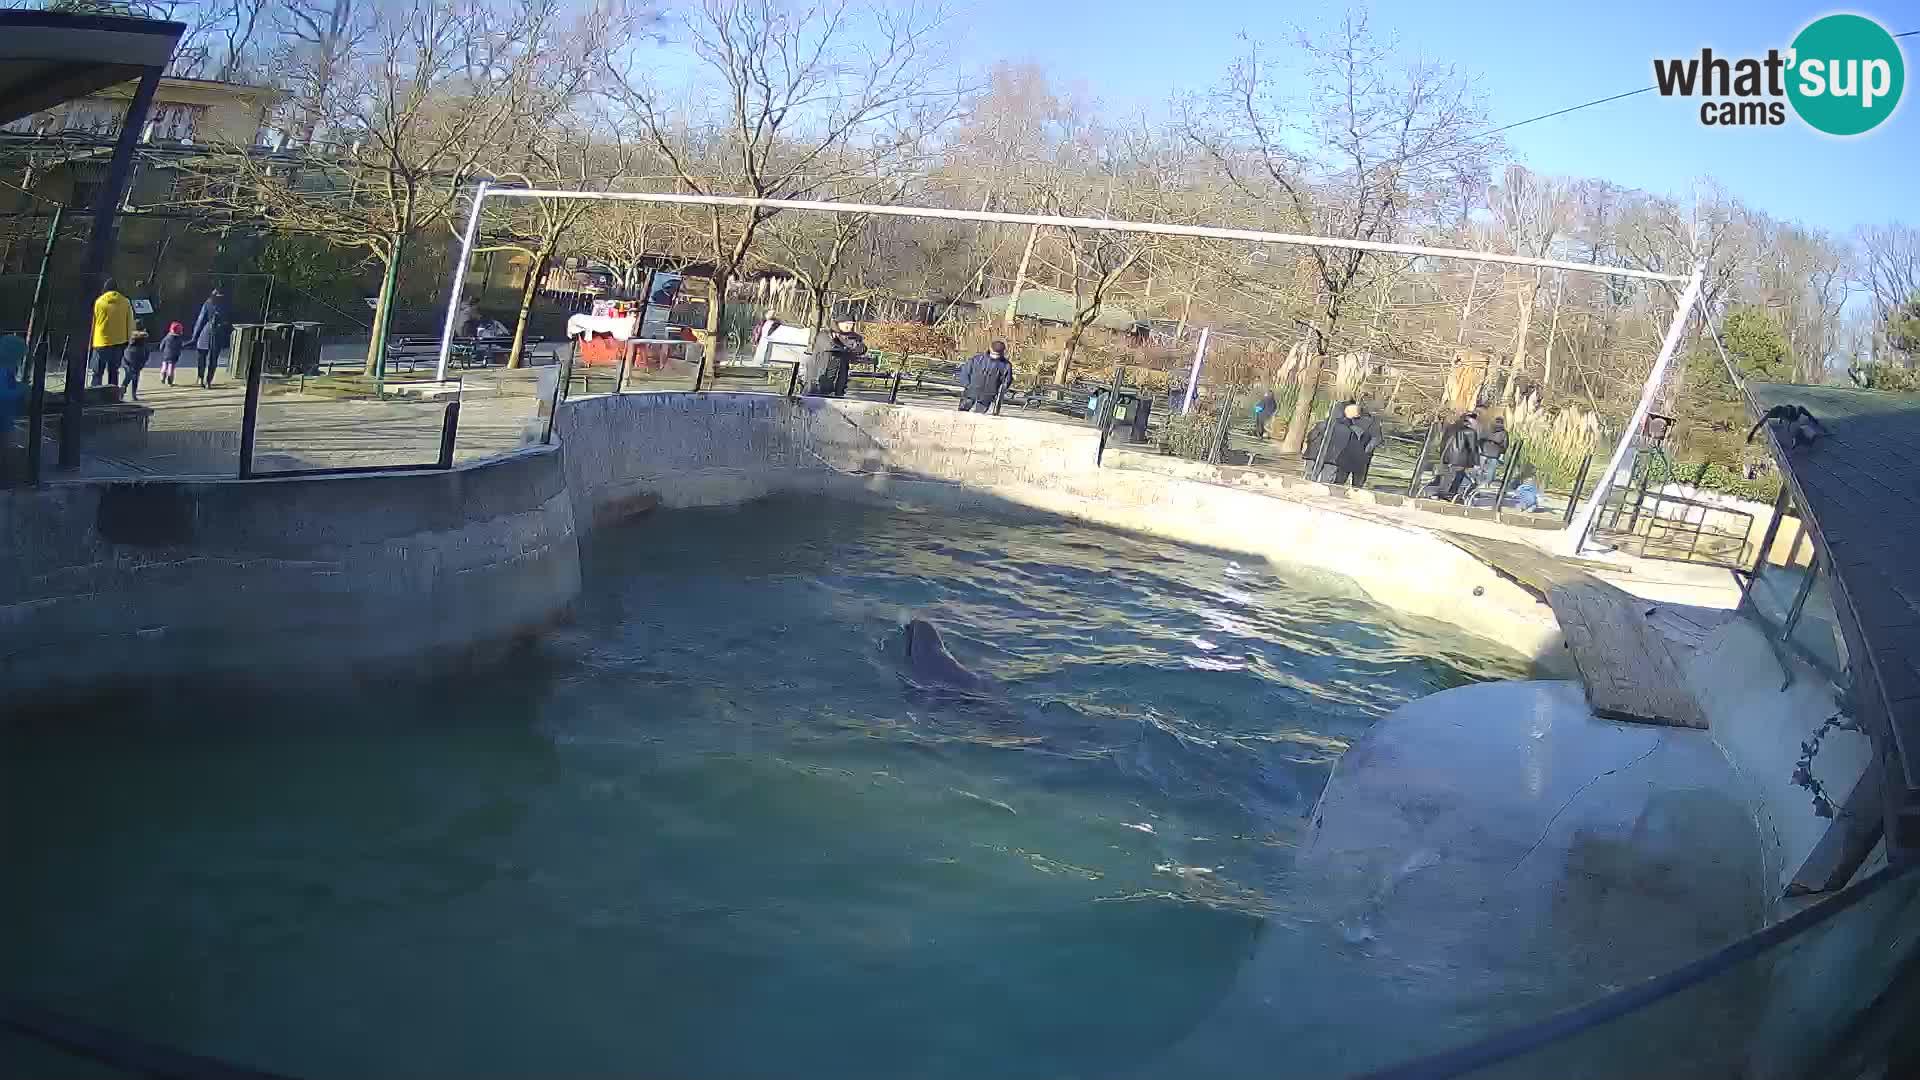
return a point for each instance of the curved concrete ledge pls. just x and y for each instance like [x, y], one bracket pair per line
[716, 449]
[146, 580]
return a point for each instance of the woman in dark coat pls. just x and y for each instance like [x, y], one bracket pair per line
[210, 334]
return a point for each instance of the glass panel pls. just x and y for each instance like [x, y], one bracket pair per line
[1817, 633]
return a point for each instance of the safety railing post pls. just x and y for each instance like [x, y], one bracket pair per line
[1420, 460]
[699, 370]
[562, 378]
[250, 411]
[1326, 440]
[37, 403]
[620, 377]
[449, 430]
[1506, 474]
[1573, 497]
[893, 390]
[793, 377]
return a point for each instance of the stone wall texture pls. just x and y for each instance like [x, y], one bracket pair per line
[147, 580]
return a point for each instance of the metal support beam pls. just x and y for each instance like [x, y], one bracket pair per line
[459, 285]
[99, 252]
[1576, 533]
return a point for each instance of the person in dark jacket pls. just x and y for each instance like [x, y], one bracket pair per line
[210, 335]
[134, 361]
[1263, 414]
[1344, 444]
[1493, 447]
[843, 349]
[984, 377]
[170, 346]
[1459, 453]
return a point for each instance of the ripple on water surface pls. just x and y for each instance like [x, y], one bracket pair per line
[709, 830]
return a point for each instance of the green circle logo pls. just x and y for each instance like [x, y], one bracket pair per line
[1846, 76]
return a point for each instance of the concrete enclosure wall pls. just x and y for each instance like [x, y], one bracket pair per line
[714, 449]
[141, 580]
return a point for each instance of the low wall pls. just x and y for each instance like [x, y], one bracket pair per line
[625, 452]
[145, 580]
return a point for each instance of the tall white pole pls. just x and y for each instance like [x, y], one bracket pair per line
[1193, 377]
[460, 280]
[1577, 531]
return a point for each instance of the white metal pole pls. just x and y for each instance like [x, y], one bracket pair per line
[1577, 531]
[459, 280]
[1193, 378]
[1116, 224]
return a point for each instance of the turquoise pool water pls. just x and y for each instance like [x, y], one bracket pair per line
[709, 830]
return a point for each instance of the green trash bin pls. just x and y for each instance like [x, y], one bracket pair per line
[275, 347]
[241, 349]
[305, 349]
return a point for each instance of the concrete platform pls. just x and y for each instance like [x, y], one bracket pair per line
[1503, 832]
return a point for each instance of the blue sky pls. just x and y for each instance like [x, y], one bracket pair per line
[1532, 58]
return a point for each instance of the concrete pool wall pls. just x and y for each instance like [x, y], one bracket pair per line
[720, 449]
[135, 581]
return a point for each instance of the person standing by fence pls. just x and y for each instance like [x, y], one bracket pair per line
[210, 335]
[984, 377]
[112, 329]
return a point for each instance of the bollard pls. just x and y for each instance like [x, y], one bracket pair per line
[449, 428]
[1420, 461]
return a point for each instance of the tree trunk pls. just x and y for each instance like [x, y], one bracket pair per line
[716, 307]
[1019, 283]
[383, 309]
[1519, 362]
[1302, 419]
[1553, 331]
[517, 355]
[1065, 362]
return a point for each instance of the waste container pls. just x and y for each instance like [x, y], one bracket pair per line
[305, 349]
[241, 347]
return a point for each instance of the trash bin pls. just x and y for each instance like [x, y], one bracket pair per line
[241, 347]
[306, 349]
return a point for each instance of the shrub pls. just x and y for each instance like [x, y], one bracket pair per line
[900, 340]
[1556, 440]
[1193, 434]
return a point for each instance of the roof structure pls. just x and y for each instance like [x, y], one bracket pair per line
[1859, 492]
[47, 57]
[1052, 305]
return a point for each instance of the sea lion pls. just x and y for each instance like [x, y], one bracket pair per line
[928, 661]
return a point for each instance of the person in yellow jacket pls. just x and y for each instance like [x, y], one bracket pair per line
[112, 329]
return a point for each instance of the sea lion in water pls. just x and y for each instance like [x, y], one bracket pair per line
[928, 660]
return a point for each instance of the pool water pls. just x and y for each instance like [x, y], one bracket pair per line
[710, 829]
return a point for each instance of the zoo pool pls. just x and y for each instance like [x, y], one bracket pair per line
[709, 829]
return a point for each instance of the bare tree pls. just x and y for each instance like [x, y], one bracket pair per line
[798, 101]
[1533, 212]
[1890, 274]
[1377, 147]
[415, 108]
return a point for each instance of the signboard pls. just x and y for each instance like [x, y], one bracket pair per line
[142, 306]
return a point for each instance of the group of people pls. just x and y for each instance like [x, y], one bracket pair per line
[983, 378]
[1469, 456]
[121, 345]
